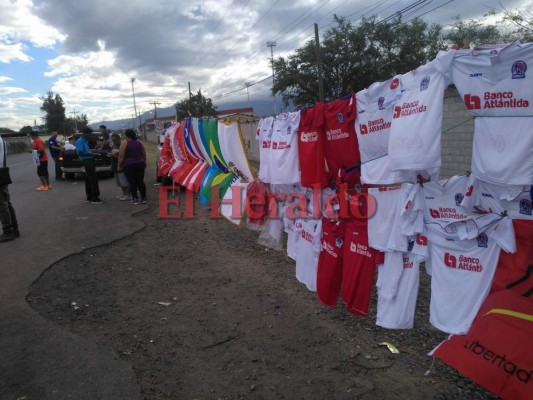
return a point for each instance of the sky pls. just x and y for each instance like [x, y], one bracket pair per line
[89, 51]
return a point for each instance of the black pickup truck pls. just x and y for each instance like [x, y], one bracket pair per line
[71, 163]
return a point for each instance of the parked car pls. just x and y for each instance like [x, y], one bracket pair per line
[71, 163]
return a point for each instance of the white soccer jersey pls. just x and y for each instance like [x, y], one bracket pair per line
[414, 141]
[495, 82]
[307, 252]
[439, 202]
[372, 125]
[489, 198]
[462, 272]
[502, 151]
[381, 225]
[284, 149]
[264, 136]
[399, 312]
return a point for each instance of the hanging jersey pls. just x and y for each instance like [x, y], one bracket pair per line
[307, 252]
[329, 276]
[264, 136]
[382, 224]
[358, 268]
[311, 146]
[283, 159]
[502, 150]
[495, 82]
[462, 272]
[372, 126]
[341, 141]
[490, 198]
[414, 141]
[399, 312]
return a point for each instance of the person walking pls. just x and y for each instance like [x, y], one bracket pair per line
[55, 148]
[92, 190]
[42, 168]
[120, 177]
[8, 218]
[132, 160]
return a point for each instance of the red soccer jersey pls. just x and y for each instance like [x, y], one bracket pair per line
[342, 149]
[311, 146]
[38, 144]
[329, 276]
[358, 268]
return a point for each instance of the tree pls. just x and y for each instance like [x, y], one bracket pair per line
[520, 20]
[354, 57]
[26, 130]
[197, 105]
[54, 120]
[472, 32]
[79, 122]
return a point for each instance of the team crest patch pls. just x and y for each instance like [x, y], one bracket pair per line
[340, 118]
[519, 69]
[526, 206]
[482, 240]
[381, 100]
[424, 83]
[338, 242]
[458, 198]
[493, 52]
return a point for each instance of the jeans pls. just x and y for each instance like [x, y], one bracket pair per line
[92, 189]
[135, 176]
[57, 165]
[8, 218]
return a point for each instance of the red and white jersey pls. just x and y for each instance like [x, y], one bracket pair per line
[414, 141]
[283, 160]
[462, 273]
[372, 126]
[495, 82]
[329, 276]
[307, 252]
[490, 198]
[312, 146]
[264, 136]
[502, 150]
[399, 312]
[342, 149]
[358, 268]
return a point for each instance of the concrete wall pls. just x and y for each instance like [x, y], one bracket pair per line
[17, 144]
[457, 136]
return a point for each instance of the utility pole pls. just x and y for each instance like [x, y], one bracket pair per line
[319, 66]
[134, 105]
[155, 103]
[75, 119]
[271, 44]
[190, 94]
[248, 84]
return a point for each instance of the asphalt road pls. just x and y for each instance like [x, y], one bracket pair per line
[38, 359]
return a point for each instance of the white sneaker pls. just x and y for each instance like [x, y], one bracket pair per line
[123, 198]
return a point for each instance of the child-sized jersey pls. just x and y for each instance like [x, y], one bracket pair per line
[342, 149]
[311, 146]
[329, 277]
[462, 273]
[307, 252]
[414, 141]
[358, 268]
[283, 159]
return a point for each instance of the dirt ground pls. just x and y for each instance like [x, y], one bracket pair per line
[234, 322]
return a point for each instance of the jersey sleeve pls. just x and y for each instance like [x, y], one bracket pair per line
[503, 233]
[317, 238]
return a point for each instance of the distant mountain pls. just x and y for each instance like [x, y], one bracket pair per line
[261, 108]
